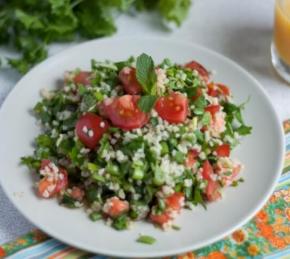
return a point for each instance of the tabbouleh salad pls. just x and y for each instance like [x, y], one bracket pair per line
[132, 141]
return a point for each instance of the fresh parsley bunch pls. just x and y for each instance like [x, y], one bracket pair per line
[30, 25]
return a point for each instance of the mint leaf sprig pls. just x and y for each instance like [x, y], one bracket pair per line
[146, 76]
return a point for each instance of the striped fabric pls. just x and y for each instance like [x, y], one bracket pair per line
[267, 235]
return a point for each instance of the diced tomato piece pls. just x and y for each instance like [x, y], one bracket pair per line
[215, 90]
[50, 185]
[44, 185]
[124, 112]
[212, 191]
[90, 129]
[213, 109]
[224, 89]
[160, 219]
[175, 201]
[44, 163]
[191, 158]
[129, 81]
[199, 68]
[223, 150]
[212, 90]
[62, 181]
[207, 170]
[115, 207]
[83, 77]
[77, 193]
[172, 108]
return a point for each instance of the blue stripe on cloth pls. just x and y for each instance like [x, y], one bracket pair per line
[285, 252]
[50, 251]
[39, 248]
[284, 177]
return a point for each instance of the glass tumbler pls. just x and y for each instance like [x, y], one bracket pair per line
[280, 49]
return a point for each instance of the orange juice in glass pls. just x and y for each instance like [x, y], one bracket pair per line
[281, 39]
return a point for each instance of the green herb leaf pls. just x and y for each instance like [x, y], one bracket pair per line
[148, 240]
[174, 10]
[146, 103]
[121, 223]
[145, 73]
[244, 130]
[94, 216]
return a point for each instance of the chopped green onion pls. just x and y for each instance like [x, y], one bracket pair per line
[148, 240]
[94, 216]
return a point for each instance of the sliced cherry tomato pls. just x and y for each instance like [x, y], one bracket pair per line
[212, 191]
[207, 170]
[160, 219]
[223, 150]
[128, 78]
[212, 90]
[90, 128]
[175, 201]
[224, 89]
[52, 184]
[172, 108]
[213, 109]
[83, 77]
[124, 112]
[116, 207]
[199, 68]
[191, 158]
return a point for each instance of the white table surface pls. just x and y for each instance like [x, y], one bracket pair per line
[241, 30]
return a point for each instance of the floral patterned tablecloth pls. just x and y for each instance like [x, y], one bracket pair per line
[267, 235]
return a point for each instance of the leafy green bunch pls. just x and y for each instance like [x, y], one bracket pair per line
[30, 25]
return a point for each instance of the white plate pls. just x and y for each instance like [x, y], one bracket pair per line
[262, 154]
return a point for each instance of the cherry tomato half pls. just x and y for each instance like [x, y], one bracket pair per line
[124, 112]
[90, 129]
[172, 108]
[129, 81]
[199, 68]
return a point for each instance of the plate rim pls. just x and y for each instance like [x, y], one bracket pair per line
[209, 241]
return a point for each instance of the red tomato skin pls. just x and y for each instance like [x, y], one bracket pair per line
[215, 90]
[44, 163]
[124, 112]
[190, 160]
[172, 108]
[213, 109]
[92, 122]
[223, 150]
[175, 201]
[61, 183]
[211, 90]
[224, 89]
[129, 81]
[117, 207]
[160, 219]
[194, 65]
[207, 170]
[212, 191]
[83, 77]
